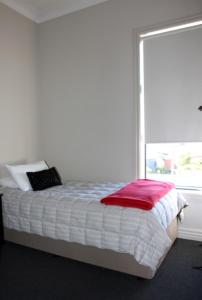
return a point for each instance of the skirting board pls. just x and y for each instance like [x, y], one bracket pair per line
[190, 234]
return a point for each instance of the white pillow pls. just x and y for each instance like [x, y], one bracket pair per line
[6, 179]
[8, 182]
[18, 172]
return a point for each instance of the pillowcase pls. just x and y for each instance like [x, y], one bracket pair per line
[18, 172]
[42, 180]
[6, 179]
[8, 182]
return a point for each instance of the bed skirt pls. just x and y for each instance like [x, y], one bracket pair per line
[100, 257]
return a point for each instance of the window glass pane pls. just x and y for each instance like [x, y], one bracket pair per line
[180, 163]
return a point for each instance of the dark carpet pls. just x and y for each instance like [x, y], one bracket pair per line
[30, 274]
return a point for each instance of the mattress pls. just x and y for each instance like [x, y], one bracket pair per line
[73, 213]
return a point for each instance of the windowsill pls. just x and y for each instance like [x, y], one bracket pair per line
[189, 191]
[192, 194]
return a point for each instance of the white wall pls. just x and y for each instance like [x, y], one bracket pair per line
[87, 114]
[17, 86]
[191, 227]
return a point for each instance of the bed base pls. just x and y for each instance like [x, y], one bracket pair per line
[100, 257]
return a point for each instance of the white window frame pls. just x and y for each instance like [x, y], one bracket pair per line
[139, 36]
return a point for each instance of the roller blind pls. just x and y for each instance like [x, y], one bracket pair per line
[173, 87]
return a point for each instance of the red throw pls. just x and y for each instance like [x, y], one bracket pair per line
[142, 193]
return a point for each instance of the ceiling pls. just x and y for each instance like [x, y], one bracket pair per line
[43, 10]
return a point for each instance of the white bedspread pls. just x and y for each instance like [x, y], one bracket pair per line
[73, 213]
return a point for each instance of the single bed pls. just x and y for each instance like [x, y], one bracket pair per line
[69, 220]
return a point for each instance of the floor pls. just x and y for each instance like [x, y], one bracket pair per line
[30, 274]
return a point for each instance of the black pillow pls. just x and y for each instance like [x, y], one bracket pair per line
[44, 179]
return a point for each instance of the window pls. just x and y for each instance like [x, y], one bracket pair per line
[180, 163]
[169, 100]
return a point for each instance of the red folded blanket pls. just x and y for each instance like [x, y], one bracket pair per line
[142, 193]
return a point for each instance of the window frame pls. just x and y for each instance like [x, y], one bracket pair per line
[139, 36]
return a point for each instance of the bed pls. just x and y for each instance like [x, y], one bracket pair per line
[69, 220]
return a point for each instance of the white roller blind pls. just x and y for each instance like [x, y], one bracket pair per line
[173, 87]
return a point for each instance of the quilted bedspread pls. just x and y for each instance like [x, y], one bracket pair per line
[73, 212]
